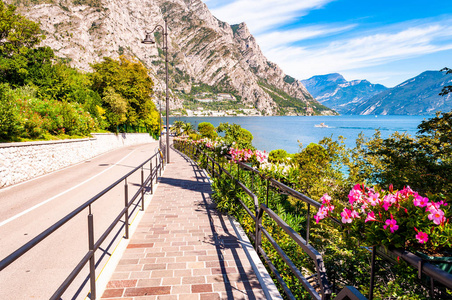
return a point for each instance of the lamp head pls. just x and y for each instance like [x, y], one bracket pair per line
[148, 39]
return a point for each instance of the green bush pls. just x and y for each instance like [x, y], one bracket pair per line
[234, 133]
[24, 116]
[207, 130]
[10, 124]
[195, 136]
[278, 156]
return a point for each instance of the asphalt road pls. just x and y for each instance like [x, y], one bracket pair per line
[29, 208]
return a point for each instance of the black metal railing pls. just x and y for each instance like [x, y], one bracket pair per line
[321, 282]
[156, 163]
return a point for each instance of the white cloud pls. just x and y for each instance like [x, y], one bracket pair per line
[279, 38]
[360, 52]
[264, 14]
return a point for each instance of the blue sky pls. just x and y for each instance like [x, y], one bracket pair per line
[383, 41]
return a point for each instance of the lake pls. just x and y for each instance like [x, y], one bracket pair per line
[283, 132]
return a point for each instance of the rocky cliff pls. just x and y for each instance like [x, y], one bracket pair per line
[203, 51]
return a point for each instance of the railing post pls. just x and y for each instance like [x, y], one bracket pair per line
[162, 163]
[126, 213]
[372, 273]
[92, 265]
[213, 168]
[259, 214]
[156, 164]
[142, 189]
[268, 181]
[309, 224]
[152, 177]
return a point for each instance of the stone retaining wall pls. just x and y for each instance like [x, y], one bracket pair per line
[23, 161]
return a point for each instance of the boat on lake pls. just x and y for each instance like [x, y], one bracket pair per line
[323, 125]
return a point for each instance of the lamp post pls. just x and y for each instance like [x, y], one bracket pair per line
[149, 40]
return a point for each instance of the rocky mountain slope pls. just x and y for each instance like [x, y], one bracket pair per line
[416, 96]
[334, 91]
[204, 52]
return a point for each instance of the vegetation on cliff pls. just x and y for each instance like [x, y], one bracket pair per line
[42, 97]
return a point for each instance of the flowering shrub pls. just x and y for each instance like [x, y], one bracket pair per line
[400, 218]
[248, 155]
[218, 146]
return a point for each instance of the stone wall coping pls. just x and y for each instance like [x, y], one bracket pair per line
[38, 143]
[121, 133]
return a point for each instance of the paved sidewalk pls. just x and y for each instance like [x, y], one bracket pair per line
[183, 248]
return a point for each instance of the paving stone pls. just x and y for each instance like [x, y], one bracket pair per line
[113, 293]
[114, 284]
[201, 288]
[144, 291]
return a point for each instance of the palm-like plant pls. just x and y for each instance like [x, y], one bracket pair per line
[177, 127]
[188, 128]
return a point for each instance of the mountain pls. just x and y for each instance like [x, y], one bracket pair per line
[207, 57]
[416, 96]
[334, 91]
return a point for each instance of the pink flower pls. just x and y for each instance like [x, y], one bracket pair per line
[392, 224]
[354, 214]
[431, 206]
[437, 216]
[346, 216]
[386, 205]
[373, 198]
[422, 237]
[390, 198]
[321, 214]
[330, 208]
[420, 201]
[326, 199]
[370, 217]
[407, 191]
[355, 194]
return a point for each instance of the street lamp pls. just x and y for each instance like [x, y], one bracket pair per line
[149, 40]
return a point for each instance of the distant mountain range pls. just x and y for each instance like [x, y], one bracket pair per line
[416, 96]
[332, 90]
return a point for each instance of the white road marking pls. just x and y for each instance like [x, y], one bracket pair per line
[62, 193]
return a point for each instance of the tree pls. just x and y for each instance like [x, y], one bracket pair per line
[188, 128]
[448, 88]
[422, 162]
[20, 61]
[116, 107]
[17, 33]
[177, 127]
[129, 80]
[235, 133]
[207, 130]
[278, 156]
